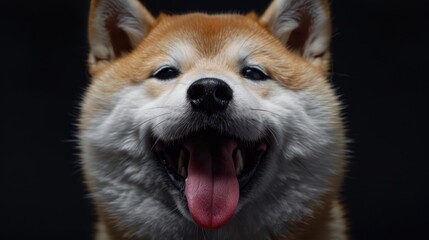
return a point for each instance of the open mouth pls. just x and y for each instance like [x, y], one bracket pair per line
[211, 168]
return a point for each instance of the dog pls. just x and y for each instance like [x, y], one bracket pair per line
[223, 126]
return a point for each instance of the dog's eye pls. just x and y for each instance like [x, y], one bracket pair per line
[254, 74]
[166, 73]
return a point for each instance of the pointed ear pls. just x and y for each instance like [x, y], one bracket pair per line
[304, 26]
[116, 27]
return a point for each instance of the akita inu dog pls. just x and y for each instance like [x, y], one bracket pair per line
[204, 126]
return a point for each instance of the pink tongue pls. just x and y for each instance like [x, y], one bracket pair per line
[212, 188]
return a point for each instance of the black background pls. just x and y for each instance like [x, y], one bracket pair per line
[380, 62]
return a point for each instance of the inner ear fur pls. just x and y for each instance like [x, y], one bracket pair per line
[115, 28]
[303, 26]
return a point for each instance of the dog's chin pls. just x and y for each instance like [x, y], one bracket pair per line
[211, 166]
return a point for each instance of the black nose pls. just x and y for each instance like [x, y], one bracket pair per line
[209, 95]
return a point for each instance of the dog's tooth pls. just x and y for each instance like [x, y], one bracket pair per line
[238, 162]
[184, 172]
[181, 161]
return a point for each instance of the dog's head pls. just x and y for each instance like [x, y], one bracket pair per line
[222, 121]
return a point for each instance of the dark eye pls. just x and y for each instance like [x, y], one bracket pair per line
[254, 74]
[166, 73]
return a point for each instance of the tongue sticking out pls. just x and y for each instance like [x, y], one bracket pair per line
[212, 188]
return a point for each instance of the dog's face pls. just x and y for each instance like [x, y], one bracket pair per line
[199, 122]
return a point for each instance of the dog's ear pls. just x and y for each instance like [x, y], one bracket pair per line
[304, 26]
[116, 27]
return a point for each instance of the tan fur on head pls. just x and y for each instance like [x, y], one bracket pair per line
[128, 109]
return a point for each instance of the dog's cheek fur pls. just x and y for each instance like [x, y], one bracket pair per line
[121, 172]
[305, 156]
